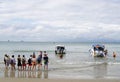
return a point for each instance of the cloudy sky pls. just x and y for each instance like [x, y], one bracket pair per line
[60, 20]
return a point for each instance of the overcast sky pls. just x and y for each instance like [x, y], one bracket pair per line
[60, 20]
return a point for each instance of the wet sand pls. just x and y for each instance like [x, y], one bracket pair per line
[43, 76]
[56, 80]
[36, 76]
[25, 74]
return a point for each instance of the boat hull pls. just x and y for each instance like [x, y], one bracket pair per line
[59, 52]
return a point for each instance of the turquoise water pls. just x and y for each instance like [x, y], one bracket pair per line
[76, 63]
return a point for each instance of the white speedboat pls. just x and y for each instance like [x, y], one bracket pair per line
[98, 50]
[60, 49]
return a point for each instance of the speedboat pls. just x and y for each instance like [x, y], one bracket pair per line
[60, 49]
[98, 50]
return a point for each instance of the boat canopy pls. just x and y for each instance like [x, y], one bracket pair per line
[98, 47]
[60, 47]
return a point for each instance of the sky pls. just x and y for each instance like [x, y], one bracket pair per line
[60, 20]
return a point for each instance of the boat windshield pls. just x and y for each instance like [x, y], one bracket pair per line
[99, 47]
[59, 47]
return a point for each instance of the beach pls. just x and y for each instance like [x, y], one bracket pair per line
[56, 80]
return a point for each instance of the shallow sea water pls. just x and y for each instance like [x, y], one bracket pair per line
[76, 63]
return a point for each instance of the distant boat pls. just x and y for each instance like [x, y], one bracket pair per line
[98, 50]
[60, 49]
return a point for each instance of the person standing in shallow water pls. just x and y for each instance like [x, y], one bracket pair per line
[45, 58]
[19, 64]
[5, 58]
[33, 62]
[12, 62]
[39, 60]
[23, 63]
[7, 62]
[114, 54]
[30, 62]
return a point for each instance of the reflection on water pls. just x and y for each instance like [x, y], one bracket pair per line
[100, 70]
[45, 74]
[61, 56]
[39, 75]
[6, 73]
[26, 74]
[12, 73]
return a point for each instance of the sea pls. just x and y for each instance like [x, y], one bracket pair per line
[77, 63]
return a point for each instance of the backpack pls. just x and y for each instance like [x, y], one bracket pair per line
[29, 60]
[23, 60]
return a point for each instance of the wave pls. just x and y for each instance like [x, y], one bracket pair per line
[30, 50]
[25, 50]
[78, 51]
[85, 63]
[98, 63]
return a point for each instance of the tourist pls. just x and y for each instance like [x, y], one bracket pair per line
[39, 60]
[33, 61]
[5, 58]
[7, 61]
[19, 64]
[12, 62]
[23, 62]
[45, 61]
[114, 54]
[30, 62]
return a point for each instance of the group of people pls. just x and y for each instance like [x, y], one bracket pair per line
[23, 63]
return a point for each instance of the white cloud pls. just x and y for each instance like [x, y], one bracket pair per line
[64, 20]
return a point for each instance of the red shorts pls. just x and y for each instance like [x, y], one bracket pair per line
[23, 64]
[33, 63]
[29, 64]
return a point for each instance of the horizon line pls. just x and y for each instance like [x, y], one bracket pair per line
[60, 41]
